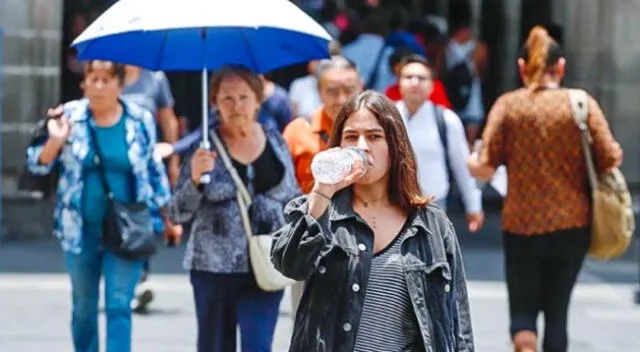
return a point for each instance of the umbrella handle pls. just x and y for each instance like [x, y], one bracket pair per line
[205, 178]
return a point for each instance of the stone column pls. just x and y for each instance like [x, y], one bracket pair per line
[31, 69]
[476, 14]
[603, 56]
[512, 43]
[31, 82]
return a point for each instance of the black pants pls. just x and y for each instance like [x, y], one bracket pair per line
[541, 273]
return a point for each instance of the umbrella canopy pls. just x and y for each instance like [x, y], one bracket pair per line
[186, 35]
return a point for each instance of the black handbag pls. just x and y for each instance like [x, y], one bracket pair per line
[127, 230]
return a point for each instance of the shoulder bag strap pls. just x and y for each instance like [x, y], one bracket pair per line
[243, 196]
[580, 107]
[226, 160]
[99, 158]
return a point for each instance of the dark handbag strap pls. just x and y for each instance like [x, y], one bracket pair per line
[98, 159]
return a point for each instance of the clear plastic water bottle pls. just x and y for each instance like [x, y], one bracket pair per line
[333, 165]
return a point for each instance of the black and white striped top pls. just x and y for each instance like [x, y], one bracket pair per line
[388, 322]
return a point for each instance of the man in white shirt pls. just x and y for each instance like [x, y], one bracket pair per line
[430, 128]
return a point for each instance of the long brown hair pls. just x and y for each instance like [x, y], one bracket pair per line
[404, 190]
[540, 54]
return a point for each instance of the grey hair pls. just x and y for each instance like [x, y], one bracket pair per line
[335, 61]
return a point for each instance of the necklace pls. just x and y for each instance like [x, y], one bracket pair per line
[372, 217]
[367, 202]
[371, 221]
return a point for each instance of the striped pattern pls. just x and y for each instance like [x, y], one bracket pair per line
[388, 322]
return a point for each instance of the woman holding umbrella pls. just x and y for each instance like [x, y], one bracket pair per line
[225, 290]
[103, 146]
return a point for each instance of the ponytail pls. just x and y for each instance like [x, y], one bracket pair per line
[537, 58]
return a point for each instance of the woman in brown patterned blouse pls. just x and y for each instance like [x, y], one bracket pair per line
[546, 215]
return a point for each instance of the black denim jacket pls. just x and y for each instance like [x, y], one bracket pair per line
[333, 255]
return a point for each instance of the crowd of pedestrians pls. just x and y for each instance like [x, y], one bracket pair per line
[375, 258]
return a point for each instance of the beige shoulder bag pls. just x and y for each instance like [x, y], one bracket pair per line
[612, 221]
[267, 277]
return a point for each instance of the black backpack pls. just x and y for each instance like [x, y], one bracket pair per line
[41, 186]
[457, 81]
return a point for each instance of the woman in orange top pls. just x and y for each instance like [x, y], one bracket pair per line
[546, 215]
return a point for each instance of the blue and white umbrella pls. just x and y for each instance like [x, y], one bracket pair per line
[201, 35]
[180, 35]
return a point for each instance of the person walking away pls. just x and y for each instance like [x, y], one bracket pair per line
[546, 215]
[370, 52]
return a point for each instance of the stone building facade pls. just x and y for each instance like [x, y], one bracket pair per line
[30, 69]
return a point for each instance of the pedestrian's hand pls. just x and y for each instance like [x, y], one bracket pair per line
[55, 113]
[202, 161]
[172, 234]
[163, 150]
[475, 221]
[58, 125]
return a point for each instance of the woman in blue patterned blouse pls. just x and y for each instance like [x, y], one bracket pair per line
[125, 137]
[225, 290]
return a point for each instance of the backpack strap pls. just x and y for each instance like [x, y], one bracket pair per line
[441, 123]
[438, 112]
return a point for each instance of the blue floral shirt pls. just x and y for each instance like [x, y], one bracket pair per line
[151, 182]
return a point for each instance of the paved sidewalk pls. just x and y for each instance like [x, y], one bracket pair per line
[35, 304]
